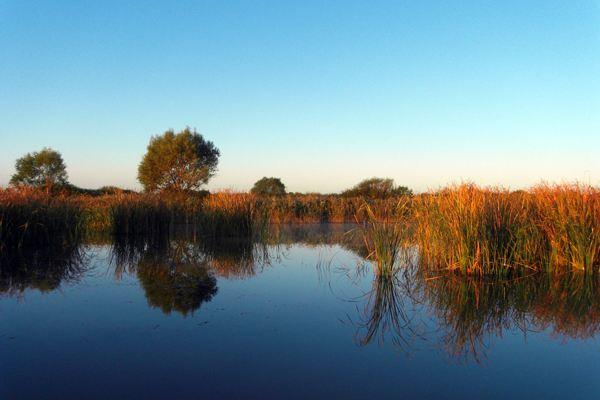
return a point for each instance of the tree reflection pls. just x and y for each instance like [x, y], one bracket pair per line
[178, 271]
[174, 273]
[177, 287]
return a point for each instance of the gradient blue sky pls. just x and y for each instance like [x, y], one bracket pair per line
[320, 93]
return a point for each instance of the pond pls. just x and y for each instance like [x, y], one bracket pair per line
[300, 316]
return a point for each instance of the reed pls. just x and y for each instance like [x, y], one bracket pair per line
[476, 231]
[33, 224]
[224, 214]
[569, 216]
[140, 216]
[316, 208]
[229, 214]
[384, 233]
[491, 231]
[465, 228]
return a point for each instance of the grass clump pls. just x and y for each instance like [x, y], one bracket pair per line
[140, 216]
[491, 231]
[569, 216]
[33, 224]
[477, 231]
[230, 214]
[384, 232]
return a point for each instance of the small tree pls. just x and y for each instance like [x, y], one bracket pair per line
[377, 188]
[268, 187]
[45, 168]
[178, 162]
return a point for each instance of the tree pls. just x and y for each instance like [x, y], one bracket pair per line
[178, 162]
[268, 187]
[43, 168]
[377, 188]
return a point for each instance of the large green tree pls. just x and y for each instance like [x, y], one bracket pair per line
[268, 187]
[44, 168]
[181, 161]
[377, 188]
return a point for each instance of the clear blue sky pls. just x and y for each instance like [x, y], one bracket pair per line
[320, 93]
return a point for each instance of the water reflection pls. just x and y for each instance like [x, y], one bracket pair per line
[463, 314]
[385, 314]
[174, 273]
[471, 312]
[179, 273]
[346, 236]
[180, 287]
[44, 269]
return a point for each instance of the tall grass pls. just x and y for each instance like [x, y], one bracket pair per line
[569, 216]
[33, 224]
[491, 231]
[384, 233]
[139, 216]
[477, 231]
[465, 228]
[230, 214]
[316, 208]
[224, 214]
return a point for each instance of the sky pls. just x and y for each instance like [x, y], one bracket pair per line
[319, 93]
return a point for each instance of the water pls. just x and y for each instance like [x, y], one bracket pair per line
[300, 318]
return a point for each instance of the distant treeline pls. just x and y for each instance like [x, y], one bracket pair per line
[181, 163]
[371, 188]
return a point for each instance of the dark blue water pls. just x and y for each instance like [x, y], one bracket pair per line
[287, 321]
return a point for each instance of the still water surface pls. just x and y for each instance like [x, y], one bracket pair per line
[302, 317]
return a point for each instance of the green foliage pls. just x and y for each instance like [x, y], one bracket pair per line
[43, 168]
[268, 187]
[377, 188]
[178, 162]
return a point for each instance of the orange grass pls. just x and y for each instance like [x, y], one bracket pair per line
[466, 228]
[491, 231]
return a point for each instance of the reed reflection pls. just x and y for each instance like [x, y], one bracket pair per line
[43, 269]
[466, 314]
[385, 314]
[471, 311]
[391, 310]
